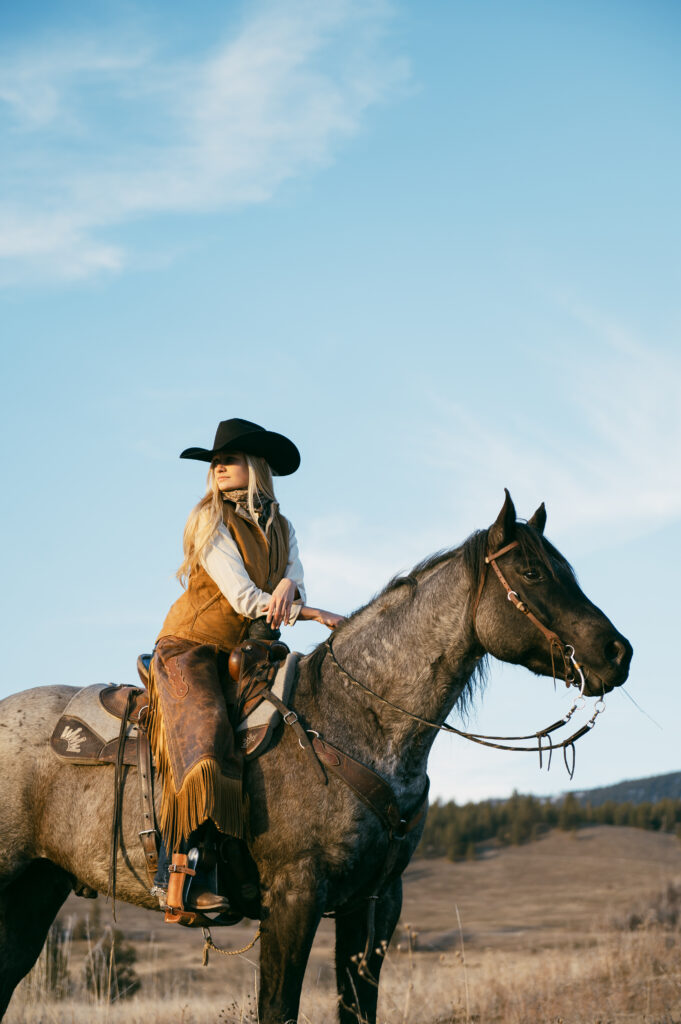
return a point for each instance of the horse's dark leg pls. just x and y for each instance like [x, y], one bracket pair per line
[287, 931]
[28, 906]
[351, 937]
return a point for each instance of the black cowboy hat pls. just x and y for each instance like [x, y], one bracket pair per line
[243, 436]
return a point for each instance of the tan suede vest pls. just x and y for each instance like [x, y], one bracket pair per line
[202, 613]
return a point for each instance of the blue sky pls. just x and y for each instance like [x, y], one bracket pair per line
[437, 244]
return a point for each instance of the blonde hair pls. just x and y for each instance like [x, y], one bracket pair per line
[206, 516]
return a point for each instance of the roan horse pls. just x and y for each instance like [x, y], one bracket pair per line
[419, 646]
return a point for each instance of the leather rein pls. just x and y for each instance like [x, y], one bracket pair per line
[566, 652]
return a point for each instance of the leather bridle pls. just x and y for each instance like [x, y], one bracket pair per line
[566, 651]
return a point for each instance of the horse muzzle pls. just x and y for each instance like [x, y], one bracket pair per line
[613, 672]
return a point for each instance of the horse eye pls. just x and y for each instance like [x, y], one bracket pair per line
[532, 574]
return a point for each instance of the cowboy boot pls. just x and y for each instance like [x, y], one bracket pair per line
[180, 892]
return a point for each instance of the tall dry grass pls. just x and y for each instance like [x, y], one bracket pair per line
[624, 977]
[627, 973]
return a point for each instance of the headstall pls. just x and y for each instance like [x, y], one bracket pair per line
[544, 742]
[566, 651]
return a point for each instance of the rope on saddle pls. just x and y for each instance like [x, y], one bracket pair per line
[118, 799]
[208, 944]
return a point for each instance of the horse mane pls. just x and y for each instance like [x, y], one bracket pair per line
[534, 548]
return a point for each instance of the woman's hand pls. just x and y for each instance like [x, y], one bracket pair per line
[279, 606]
[328, 619]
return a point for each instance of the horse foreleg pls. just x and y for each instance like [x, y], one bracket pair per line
[287, 931]
[28, 906]
[358, 985]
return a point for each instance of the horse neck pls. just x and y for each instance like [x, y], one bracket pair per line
[414, 647]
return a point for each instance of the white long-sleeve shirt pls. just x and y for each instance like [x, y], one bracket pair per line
[223, 562]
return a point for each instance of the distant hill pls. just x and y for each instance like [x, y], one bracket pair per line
[457, 831]
[634, 791]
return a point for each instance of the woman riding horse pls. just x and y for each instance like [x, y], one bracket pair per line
[243, 577]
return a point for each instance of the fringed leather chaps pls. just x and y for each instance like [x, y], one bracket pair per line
[192, 739]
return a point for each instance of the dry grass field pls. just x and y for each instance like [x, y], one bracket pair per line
[526, 935]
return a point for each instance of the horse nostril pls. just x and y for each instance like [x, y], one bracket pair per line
[618, 652]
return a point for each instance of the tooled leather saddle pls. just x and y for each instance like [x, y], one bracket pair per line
[105, 724]
[88, 731]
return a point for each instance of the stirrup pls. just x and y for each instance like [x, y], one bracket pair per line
[180, 873]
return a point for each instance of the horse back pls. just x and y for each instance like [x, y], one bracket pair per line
[28, 718]
[26, 764]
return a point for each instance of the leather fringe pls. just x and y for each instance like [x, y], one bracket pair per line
[205, 792]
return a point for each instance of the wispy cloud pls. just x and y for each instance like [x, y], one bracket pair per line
[99, 134]
[605, 457]
[37, 86]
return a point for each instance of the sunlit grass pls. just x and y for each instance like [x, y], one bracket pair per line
[622, 976]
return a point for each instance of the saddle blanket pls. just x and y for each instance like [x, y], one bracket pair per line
[88, 731]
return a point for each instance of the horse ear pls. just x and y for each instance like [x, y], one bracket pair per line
[538, 520]
[502, 530]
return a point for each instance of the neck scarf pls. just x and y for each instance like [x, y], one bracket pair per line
[264, 510]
